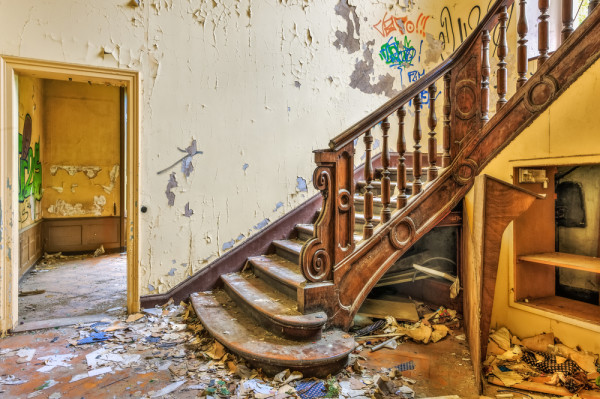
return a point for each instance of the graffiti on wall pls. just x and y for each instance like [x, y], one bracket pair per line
[390, 24]
[456, 30]
[396, 54]
[30, 167]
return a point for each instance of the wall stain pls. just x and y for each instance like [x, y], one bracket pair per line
[361, 76]
[187, 211]
[347, 39]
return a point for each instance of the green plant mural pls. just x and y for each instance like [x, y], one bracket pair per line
[30, 167]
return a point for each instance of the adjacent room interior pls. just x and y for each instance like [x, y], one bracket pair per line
[72, 258]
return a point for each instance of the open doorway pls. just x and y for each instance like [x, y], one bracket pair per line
[72, 252]
[69, 150]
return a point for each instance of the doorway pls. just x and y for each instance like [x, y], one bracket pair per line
[69, 203]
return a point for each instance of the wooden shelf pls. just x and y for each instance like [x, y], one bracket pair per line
[560, 259]
[568, 307]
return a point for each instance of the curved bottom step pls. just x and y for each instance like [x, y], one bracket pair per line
[240, 334]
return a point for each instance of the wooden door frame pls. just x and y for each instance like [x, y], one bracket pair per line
[9, 230]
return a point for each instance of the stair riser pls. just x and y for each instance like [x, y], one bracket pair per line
[394, 174]
[321, 371]
[276, 284]
[360, 207]
[304, 236]
[293, 332]
[289, 255]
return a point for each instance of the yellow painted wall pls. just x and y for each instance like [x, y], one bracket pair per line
[567, 133]
[81, 144]
[30, 170]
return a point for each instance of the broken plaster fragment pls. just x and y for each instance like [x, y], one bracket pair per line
[90, 171]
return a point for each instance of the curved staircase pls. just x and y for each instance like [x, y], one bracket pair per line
[290, 308]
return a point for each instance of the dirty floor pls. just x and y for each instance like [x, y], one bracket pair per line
[165, 352]
[73, 286]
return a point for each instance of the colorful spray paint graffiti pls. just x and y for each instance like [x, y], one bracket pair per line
[30, 167]
[413, 76]
[390, 24]
[396, 54]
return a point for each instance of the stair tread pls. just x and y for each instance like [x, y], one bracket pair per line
[310, 228]
[237, 331]
[294, 246]
[279, 268]
[271, 303]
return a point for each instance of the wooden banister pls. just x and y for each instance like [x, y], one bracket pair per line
[356, 130]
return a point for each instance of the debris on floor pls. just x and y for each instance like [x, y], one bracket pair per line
[166, 352]
[540, 364]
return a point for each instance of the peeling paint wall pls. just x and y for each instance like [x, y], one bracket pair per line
[81, 139]
[31, 154]
[235, 96]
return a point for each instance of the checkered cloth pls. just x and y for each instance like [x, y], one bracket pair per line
[311, 389]
[576, 378]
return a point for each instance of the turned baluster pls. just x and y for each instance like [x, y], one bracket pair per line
[386, 213]
[567, 19]
[368, 228]
[432, 172]
[592, 5]
[446, 130]
[485, 76]
[402, 198]
[502, 53]
[417, 184]
[543, 35]
[522, 30]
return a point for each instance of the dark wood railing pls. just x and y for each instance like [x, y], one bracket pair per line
[466, 86]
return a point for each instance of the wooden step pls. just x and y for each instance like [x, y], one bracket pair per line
[274, 310]
[280, 273]
[289, 249]
[238, 332]
[306, 230]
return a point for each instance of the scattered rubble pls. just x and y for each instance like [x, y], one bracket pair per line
[171, 338]
[540, 364]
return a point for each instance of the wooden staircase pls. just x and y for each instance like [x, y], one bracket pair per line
[291, 308]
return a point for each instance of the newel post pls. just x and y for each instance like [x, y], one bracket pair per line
[333, 238]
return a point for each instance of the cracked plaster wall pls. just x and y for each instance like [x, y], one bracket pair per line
[256, 86]
[81, 150]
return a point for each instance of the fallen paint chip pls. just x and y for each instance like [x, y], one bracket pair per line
[53, 361]
[103, 370]
[11, 380]
[168, 389]
[25, 355]
[134, 317]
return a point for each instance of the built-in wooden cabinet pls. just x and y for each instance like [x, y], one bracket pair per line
[536, 258]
